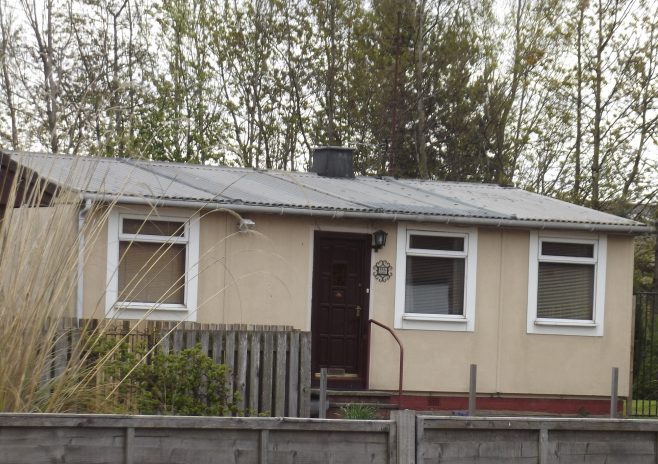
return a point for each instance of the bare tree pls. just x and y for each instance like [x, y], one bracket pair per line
[7, 51]
[41, 24]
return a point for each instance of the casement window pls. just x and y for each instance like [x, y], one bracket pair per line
[566, 286]
[152, 267]
[435, 279]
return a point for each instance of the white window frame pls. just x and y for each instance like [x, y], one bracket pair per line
[445, 322]
[555, 326]
[152, 311]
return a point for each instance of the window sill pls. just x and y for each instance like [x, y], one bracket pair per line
[566, 327]
[441, 322]
[434, 317]
[565, 323]
[150, 312]
[150, 306]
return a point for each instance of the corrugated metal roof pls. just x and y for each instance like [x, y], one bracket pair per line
[298, 192]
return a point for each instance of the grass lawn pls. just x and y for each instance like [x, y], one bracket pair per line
[643, 408]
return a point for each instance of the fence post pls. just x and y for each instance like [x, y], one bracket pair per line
[405, 424]
[263, 446]
[614, 392]
[322, 413]
[543, 446]
[472, 390]
[128, 445]
[305, 375]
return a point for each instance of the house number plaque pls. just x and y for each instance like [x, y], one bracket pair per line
[382, 270]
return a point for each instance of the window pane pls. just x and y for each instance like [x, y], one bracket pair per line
[433, 242]
[151, 273]
[573, 250]
[566, 291]
[164, 228]
[434, 285]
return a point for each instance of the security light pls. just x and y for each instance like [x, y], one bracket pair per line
[246, 225]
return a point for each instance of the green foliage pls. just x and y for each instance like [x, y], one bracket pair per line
[555, 96]
[113, 360]
[644, 263]
[187, 383]
[359, 412]
[177, 383]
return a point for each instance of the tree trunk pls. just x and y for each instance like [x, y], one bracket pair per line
[51, 83]
[420, 103]
[45, 48]
[500, 152]
[332, 136]
[654, 286]
[579, 103]
[598, 111]
[114, 98]
[5, 52]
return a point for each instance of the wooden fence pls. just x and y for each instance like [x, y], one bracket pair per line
[522, 440]
[270, 366]
[405, 439]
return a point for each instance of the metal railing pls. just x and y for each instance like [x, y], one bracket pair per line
[401, 377]
[645, 356]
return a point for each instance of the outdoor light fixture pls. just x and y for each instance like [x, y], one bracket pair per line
[246, 225]
[379, 239]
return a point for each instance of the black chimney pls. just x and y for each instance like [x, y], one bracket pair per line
[333, 161]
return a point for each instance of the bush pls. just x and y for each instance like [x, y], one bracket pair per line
[187, 383]
[177, 383]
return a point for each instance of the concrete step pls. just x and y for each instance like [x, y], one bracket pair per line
[382, 401]
[357, 396]
[375, 405]
[360, 393]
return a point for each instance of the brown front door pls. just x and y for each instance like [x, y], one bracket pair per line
[339, 321]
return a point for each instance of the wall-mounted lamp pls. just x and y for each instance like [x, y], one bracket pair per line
[246, 225]
[378, 239]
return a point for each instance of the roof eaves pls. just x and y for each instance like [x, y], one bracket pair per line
[634, 228]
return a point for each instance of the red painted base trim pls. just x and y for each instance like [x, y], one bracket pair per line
[459, 404]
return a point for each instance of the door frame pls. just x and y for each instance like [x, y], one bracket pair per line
[366, 238]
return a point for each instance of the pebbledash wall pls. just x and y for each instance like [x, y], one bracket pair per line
[264, 277]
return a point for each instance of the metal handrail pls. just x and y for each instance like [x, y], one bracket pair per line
[385, 327]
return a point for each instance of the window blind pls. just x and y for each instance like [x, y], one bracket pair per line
[151, 273]
[434, 285]
[565, 291]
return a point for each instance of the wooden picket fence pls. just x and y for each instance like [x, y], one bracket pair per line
[270, 366]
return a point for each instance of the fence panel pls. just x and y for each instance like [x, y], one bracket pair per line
[405, 439]
[645, 356]
[163, 440]
[523, 440]
[256, 357]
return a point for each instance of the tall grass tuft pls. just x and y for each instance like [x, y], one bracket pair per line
[38, 264]
[40, 254]
[41, 249]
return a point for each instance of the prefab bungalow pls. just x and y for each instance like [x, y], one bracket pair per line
[535, 291]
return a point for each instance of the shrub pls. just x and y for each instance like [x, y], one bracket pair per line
[359, 411]
[186, 383]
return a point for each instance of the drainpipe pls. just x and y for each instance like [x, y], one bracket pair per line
[82, 215]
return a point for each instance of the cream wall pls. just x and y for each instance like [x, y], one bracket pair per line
[259, 277]
[511, 361]
[39, 259]
[264, 277]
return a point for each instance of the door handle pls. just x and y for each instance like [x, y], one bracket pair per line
[358, 311]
